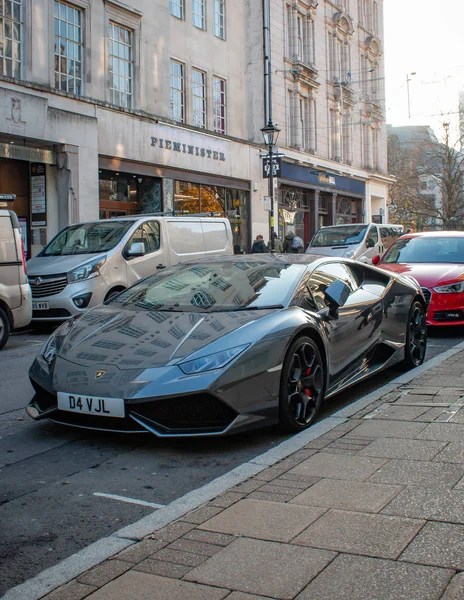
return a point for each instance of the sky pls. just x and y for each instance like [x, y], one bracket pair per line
[423, 37]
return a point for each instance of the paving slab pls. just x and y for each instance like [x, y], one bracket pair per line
[453, 453]
[338, 466]
[455, 590]
[362, 578]
[263, 568]
[360, 533]
[401, 448]
[275, 521]
[144, 586]
[433, 504]
[447, 432]
[242, 596]
[397, 412]
[348, 495]
[439, 545]
[383, 428]
[418, 472]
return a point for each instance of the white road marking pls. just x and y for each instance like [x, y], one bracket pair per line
[129, 500]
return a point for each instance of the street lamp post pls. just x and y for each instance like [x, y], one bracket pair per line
[270, 134]
[408, 79]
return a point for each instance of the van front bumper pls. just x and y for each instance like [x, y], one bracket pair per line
[60, 307]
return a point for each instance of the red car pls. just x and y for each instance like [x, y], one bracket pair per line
[436, 260]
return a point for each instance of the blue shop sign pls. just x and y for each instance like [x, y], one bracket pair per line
[322, 178]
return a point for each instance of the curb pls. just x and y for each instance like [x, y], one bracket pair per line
[92, 555]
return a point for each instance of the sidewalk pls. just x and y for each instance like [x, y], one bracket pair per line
[373, 509]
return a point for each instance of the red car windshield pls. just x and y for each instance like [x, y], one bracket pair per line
[426, 250]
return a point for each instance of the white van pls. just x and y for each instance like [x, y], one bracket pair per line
[87, 263]
[15, 293]
[359, 241]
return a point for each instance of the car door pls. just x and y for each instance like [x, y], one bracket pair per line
[143, 252]
[356, 326]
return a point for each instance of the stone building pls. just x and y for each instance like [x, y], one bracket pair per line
[111, 108]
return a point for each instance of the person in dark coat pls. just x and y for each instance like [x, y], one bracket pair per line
[288, 241]
[258, 245]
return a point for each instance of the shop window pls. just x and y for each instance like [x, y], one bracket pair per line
[123, 194]
[11, 38]
[121, 65]
[68, 30]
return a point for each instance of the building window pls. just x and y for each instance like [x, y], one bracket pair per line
[219, 16]
[68, 48]
[299, 37]
[219, 102]
[11, 35]
[176, 8]
[198, 13]
[121, 66]
[199, 98]
[177, 93]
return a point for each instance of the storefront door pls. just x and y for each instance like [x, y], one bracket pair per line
[14, 179]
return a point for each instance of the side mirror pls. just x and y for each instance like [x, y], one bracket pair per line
[376, 259]
[336, 295]
[136, 249]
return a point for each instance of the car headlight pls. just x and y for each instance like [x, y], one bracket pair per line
[211, 362]
[90, 269]
[451, 288]
[48, 352]
[349, 253]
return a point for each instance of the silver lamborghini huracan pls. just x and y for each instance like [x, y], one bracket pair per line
[222, 345]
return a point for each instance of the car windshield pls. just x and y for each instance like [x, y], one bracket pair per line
[87, 238]
[426, 250]
[339, 236]
[215, 286]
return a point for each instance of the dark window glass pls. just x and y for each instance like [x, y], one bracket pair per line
[87, 238]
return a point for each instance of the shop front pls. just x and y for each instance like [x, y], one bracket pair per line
[180, 172]
[310, 199]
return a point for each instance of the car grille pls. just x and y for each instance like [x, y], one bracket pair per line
[428, 294]
[51, 313]
[448, 315]
[199, 412]
[47, 285]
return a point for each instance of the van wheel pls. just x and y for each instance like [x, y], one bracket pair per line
[4, 328]
[113, 293]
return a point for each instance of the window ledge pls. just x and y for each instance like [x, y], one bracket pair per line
[120, 4]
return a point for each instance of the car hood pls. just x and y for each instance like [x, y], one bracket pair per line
[428, 274]
[331, 250]
[140, 339]
[52, 265]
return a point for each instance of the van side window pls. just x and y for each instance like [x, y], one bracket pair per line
[373, 235]
[148, 234]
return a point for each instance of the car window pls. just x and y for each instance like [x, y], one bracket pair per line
[324, 276]
[147, 234]
[426, 250]
[373, 234]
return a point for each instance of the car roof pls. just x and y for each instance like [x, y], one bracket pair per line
[433, 234]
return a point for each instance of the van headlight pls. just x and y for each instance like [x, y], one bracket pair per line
[90, 269]
[212, 361]
[349, 253]
[451, 288]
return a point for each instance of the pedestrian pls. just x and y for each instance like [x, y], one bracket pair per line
[297, 245]
[278, 246]
[258, 245]
[288, 242]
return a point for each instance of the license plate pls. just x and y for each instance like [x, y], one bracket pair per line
[91, 405]
[40, 306]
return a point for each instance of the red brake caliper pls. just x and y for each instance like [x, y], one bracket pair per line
[307, 390]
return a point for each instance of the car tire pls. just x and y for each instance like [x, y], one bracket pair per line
[302, 385]
[4, 328]
[416, 337]
[112, 294]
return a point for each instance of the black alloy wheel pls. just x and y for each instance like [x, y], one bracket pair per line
[302, 385]
[4, 328]
[416, 337]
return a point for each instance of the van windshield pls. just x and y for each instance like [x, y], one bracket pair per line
[339, 236]
[87, 238]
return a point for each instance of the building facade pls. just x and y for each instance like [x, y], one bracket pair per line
[329, 101]
[111, 108]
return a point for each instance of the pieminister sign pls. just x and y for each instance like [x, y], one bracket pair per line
[189, 143]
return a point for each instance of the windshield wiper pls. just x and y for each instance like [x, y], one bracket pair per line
[270, 307]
